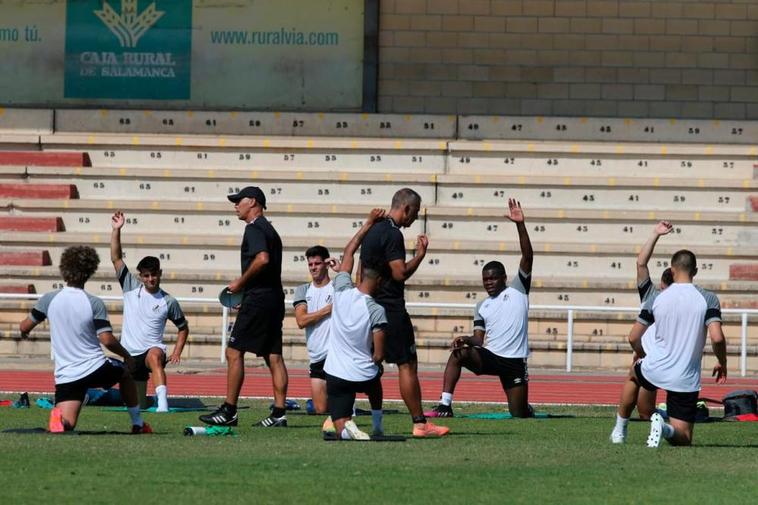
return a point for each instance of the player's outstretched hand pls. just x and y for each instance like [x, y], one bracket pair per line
[118, 220]
[175, 358]
[515, 214]
[720, 373]
[376, 215]
[663, 228]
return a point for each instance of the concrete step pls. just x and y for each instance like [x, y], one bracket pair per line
[256, 123]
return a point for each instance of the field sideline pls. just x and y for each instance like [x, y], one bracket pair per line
[544, 388]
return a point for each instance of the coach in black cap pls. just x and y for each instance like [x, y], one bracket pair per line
[258, 327]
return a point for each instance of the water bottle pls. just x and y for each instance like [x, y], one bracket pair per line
[195, 431]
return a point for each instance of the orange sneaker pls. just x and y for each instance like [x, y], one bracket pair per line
[145, 429]
[429, 430]
[55, 424]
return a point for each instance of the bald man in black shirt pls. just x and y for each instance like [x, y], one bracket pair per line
[385, 240]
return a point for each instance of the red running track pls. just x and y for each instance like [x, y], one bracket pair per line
[543, 389]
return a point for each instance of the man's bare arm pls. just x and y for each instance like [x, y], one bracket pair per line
[718, 343]
[259, 263]
[635, 338]
[402, 270]
[348, 254]
[117, 222]
[660, 229]
[26, 326]
[516, 215]
[305, 318]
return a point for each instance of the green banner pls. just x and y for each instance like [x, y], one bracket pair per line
[256, 54]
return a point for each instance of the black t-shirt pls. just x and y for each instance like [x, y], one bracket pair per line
[385, 240]
[260, 236]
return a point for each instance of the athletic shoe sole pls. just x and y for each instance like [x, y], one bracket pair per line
[656, 431]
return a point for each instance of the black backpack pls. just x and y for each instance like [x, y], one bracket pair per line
[740, 402]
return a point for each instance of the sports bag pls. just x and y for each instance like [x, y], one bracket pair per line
[740, 402]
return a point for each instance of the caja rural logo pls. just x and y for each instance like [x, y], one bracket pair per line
[142, 51]
[129, 27]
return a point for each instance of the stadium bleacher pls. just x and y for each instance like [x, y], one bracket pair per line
[592, 188]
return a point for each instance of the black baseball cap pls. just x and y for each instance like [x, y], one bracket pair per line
[249, 192]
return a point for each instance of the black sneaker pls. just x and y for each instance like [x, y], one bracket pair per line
[442, 411]
[220, 417]
[273, 422]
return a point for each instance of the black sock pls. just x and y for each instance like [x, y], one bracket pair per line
[419, 419]
[278, 412]
[232, 409]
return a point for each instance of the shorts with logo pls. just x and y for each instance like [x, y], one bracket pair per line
[340, 393]
[141, 370]
[104, 377]
[679, 405]
[512, 371]
[316, 370]
[399, 338]
[258, 328]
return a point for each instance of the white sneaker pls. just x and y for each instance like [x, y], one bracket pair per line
[354, 432]
[618, 436]
[656, 431]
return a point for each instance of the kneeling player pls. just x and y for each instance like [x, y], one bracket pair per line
[78, 325]
[632, 394]
[146, 309]
[356, 341]
[504, 318]
[313, 309]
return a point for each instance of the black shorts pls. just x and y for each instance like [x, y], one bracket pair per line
[399, 338]
[511, 371]
[682, 406]
[258, 329]
[340, 394]
[316, 370]
[106, 376]
[141, 370]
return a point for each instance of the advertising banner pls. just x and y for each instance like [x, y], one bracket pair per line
[204, 54]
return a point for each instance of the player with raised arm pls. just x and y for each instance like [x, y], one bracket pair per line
[146, 309]
[500, 343]
[632, 394]
[356, 343]
[313, 309]
[78, 326]
[682, 314]
[385, 241]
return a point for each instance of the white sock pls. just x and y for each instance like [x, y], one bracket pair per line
[621, 422]
[446, 399]
[162, 396]
[345, 435]
[668, 431]
[134, 413]
[376, 420]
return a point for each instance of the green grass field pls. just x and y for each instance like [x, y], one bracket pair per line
[537, 461]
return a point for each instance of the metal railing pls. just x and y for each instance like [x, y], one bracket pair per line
[570, 310]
